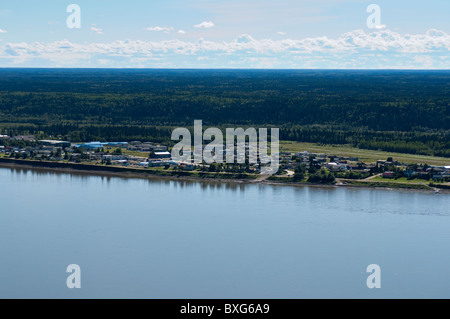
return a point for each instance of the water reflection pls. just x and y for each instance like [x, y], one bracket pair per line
[311, 198]
[161, 238]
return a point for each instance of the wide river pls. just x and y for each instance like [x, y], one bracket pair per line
[135, 238]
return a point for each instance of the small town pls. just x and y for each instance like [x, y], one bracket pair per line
[294, 167]
[225, 157]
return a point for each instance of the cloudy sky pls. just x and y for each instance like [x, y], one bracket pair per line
[226, 34]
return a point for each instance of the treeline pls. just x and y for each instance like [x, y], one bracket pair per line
[402, 111]
[82, 133]
[424, 143]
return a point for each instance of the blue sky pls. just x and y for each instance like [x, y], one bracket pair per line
[226, 34]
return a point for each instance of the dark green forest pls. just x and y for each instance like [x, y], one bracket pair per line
[400, 111]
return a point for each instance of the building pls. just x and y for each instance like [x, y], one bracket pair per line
[161, 155]
[410, 172]
[187, 166]
[160, 148]
[27, 138]
[113, 157]
[91, 145]
[158, 163]
[75, 157]
[388, 175]
[123, 162]
[337, 166]
[116, 144]
[424, 175]
[56, 143]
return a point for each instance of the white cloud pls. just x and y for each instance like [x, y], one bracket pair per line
[425, 60]
[160, 29]
[356, 49]
[3, 31]
[281, 33]
[381, 27]
[181, 32]
[96, 30]
[205, 24]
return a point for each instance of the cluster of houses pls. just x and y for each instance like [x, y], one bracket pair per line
[342, 164]
[331, 162]
[146, 147]
[44, 149]
[159, 156]
[426, 173]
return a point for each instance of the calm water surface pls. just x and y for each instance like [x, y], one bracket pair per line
[167, 239]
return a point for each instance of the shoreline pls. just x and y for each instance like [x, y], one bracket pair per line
[111, 171]
[121, 172]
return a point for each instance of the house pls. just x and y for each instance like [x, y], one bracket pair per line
[44, 152]
[139, 146]
[446, 170]
[424, 175]
[113, 157]
[117, 144]
[160, 155]
[336, 166]
[27, 138]
[145, 147]
[301, 154]
[440, 173]
[388, 174]
[123, 162]
[158, 163]
[160, 148]
[409, 172]
[76, 157]
[132, 148]
[137, 159]
[187, 166]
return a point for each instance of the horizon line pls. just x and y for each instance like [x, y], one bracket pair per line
[212, 69]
